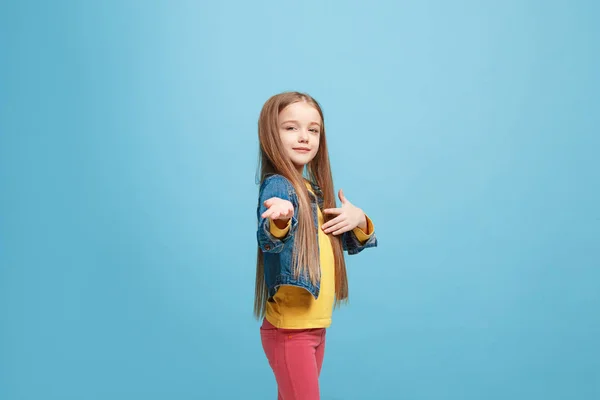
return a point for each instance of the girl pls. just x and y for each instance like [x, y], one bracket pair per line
[302, 236]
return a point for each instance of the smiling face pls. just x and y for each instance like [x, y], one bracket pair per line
[300, 131]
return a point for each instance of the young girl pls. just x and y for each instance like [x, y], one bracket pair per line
[302, 236]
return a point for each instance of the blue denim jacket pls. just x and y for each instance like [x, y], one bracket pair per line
[277, 253]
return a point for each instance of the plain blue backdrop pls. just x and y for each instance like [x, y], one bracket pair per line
[128, 151]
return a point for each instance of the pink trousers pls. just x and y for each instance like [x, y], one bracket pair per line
[296, 357]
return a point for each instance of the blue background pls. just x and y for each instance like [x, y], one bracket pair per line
[467, 130]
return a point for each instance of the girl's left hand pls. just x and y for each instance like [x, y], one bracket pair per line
[348, 217]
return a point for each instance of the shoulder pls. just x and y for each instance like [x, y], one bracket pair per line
[276, 180]
[277, 185]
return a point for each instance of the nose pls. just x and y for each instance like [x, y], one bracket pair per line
[302, 136]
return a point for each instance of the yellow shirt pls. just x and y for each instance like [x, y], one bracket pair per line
[294, 307]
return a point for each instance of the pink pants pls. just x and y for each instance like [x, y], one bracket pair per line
[296, 356]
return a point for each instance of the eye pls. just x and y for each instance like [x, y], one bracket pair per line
[314, 130]
[289, 128]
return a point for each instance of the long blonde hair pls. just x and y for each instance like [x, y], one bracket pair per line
[274, 160]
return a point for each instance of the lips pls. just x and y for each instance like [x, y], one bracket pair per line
[302, 149]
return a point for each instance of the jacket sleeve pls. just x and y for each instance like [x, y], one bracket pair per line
[356, 240]
[274, 186]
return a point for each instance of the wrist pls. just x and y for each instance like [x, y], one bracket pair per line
[363, 222]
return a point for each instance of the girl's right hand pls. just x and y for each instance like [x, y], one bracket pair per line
[278, 209]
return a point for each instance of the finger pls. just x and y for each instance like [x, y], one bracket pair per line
[340, 228]
[342, 197]
[269, 202]
[332, 211]
[267, 214]
[334, 221]
[336, 227]
[275, 215]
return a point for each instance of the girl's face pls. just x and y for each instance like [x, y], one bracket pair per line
[300, 131]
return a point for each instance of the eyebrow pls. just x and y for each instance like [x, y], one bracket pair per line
[291, 120]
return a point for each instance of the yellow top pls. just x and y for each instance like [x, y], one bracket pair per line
[294, 307]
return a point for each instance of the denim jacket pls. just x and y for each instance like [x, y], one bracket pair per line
[277, 253]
